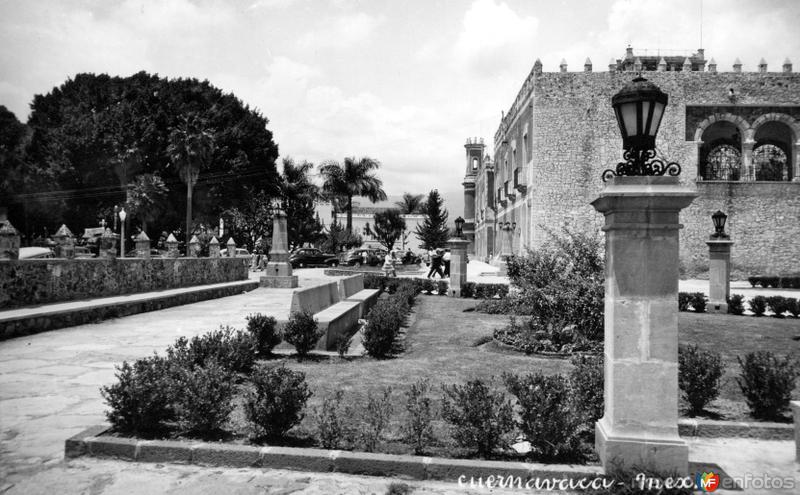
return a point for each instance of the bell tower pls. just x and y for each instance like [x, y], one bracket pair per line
[475, 152]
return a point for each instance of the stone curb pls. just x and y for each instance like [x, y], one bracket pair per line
[707, 428]
[46, 320]
[91, 443]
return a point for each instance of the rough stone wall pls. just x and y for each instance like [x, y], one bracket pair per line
[575, 138]
[32, 282]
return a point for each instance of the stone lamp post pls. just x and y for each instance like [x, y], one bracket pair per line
[279, 271]
[122, 216]
[639, 428]
[719, 265]
[458, 259]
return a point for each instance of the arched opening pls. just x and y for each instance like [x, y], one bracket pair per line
[772, 152]
[720, 154]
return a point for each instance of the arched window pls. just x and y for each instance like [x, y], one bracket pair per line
[474, 164]
[723, 163]
[770, 163]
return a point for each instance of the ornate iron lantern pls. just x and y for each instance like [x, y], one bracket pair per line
[719, 220]
[639, 108]
[459, 227]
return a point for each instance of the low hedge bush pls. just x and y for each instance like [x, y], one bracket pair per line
[778, 305]
[736, 304]
[791, 281]
[302, 331]
[481, 419]
[203, 397]
[767, 382]
[233, 349]
[698, 301]
[758, 304]
[264, 330]
[418, 426]
[275, 403]
[333, 428]
[684, 298]
[383, 327]
[140, 401]
[586, 383]
[699, 375]
[793, 306]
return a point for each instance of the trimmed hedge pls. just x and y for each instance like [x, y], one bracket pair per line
[470, 290]
[776, 282]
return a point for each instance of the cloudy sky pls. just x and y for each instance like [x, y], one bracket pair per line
[402, 81]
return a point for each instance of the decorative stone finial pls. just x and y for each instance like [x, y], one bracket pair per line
[172, 247]
[9, 241]
[537, 67]
[712, 65]
[63, 231]
[737, 65]
[687, 64]
[563, 65]
[213, 248]
[787, 65]
[108, 244]
[142, 243]
[194, 246]
[662, 65]
[762, 66]
[612, 65]
[587, 66]
[637, 64]
[231, 248]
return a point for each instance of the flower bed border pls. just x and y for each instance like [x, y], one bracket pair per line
[91, 442]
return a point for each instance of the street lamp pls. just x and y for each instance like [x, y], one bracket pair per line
[639, 107]
[719, 220]
[122, 216]
[116, 212]
[459, 227]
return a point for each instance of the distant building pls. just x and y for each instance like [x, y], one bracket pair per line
[363, 215]
[736, 136]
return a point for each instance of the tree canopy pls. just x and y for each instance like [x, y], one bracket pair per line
[411, 203]
[93, 135]
[433, 231]
[389, 226]
[299, 196]
[353, 178]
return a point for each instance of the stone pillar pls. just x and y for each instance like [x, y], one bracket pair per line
[279, 271]
[687, 65]
[194, 247]
[172, 247]
[458, 265]
[230, 248]
[587, 65]
[65, 243]
[9, 242]
[563, 65]
[213, 248]
[662, 65]
[712, 66]
[796, 162]
[469, 212]
[639, 429]
[748, 172]
[142, 243]
[762, 66]
[795, 405]
[612, 66]
[737, 65]
[108, 244]
[719, 274]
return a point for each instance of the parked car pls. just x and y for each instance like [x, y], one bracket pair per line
[312, 257]
[32, 253]
[154, 253]
[355, 257]
[240, 253]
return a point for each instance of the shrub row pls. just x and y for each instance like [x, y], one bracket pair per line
[436, 287]
[785, 282]
[765, 380]
[386, 318]
[779, 305]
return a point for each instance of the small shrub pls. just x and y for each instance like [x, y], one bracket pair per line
[265, 332]
[140, 401]
[698, 302]
[374, 282]
[545, 417]
[302, 332]
[442, 287]
[342, 345]
[587, 385]
[778, 305]
[382, 329]
[276, 402]
[230, 348]
[468, 290]
[333, 429]
[203, 397]
[754, 281]
[683, 301]
[793, 306]
[428, 285]
[770, 281]
[758, 304]
[397, 488]
[375, 418]
[699, 375]
[481, 419]
[418, 427]
[767, 383]
[736, 304]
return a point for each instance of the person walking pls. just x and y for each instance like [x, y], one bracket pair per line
[446, 259]
[436, 264]
[388, 264]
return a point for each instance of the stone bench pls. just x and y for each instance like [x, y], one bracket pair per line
[366, 299]
[350, 285]
[339, 320]
[315, 299]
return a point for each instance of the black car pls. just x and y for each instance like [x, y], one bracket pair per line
[355, 257]
[312, 257]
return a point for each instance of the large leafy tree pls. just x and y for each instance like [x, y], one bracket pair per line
[94, 134]
[389, 226]
[433, 231]
[353, 178]
[191, 144]
[338, 239]
[146, 197]
[299, 195]
[411, 203]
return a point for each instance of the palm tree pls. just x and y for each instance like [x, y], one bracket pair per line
[354, 178]
[191, 144]
[411, 203]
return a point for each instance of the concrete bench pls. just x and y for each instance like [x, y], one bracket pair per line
[350, 285]
[366, 299]
[315, 299]
[339, 320]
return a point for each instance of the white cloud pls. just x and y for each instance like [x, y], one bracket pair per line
[343, 31]
[494, 37]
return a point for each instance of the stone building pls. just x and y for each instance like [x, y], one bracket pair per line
[364, 216]
[736, 136]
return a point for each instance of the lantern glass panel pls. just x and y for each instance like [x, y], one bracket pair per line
[628, 112]
[658, 112]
